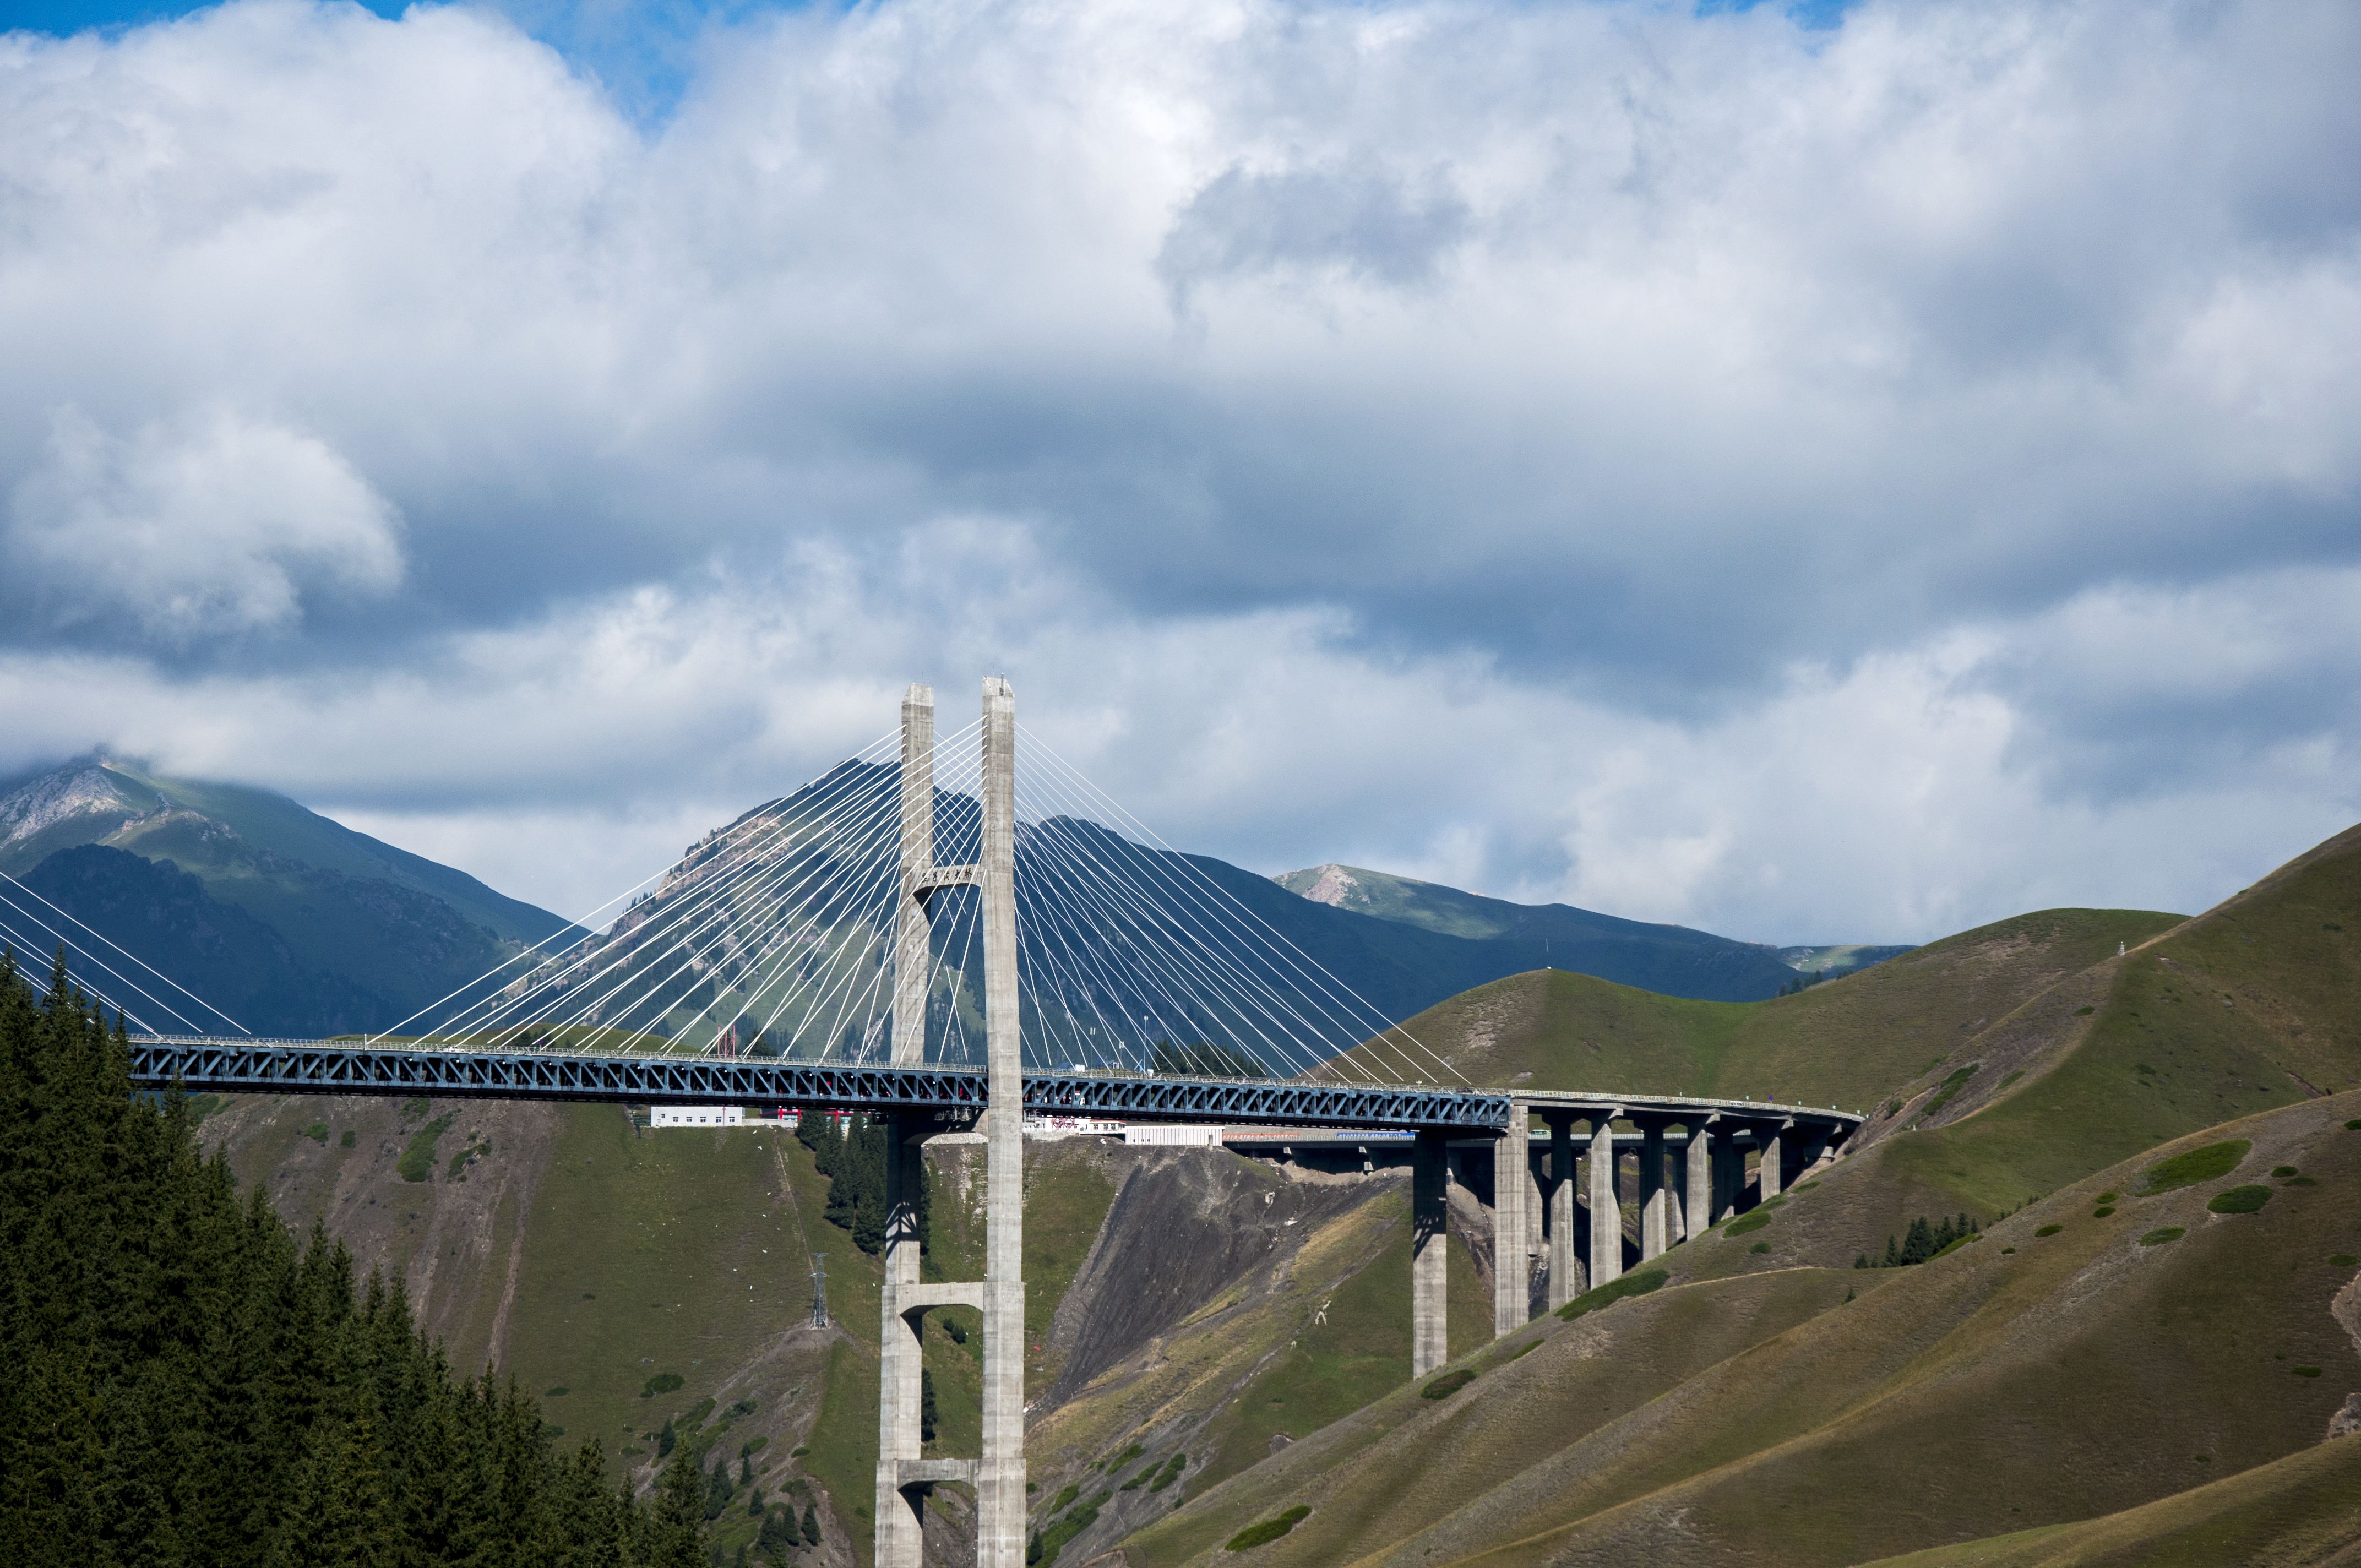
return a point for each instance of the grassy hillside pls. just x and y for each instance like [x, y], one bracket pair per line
[2023, 1381]
[1845, 1042]
[2302, 1511]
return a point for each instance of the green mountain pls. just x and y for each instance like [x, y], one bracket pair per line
[1671, 960]
[288, 922]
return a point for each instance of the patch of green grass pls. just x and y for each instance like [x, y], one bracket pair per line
[661, 1383]
[2103, 1211]
[1759, 1246]
[1525, 1349]
[1635, 1284]
[1120, 1460]
[1270, 1529]
[2239, 1200]
[2084, 1011]
[2107, 1198]
[2049, 1230]
[558, 1393]
[2011, 1078]
[798, 1450]
[1753, 1219]
[2195, 1166]
[2354, 1125]
[2298, 1181]
[1450, 1383]
[349, 1139]
[752, 1446]
[317, 1131]
[1950, 1086]
[1044, 1548]
[417, 1161]
[2162, 1235]
[2283, 1170]
[463, 1160]
[1057, 1504]
[2344, 1260]
[2305, 1371]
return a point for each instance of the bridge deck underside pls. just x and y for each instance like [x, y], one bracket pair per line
[958, 1093]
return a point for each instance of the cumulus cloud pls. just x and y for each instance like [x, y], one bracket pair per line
[207, 526]
[1828, 483]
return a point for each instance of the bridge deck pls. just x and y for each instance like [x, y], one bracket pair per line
[336, 1066]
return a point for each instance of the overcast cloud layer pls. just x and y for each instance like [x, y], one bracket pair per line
[1818, 484]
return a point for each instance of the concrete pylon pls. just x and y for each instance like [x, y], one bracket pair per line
[1606, 1204]
[1564, 1283]
[904, 1475]
[1000, 1479]
[912, 953]
[1512, 1194]
[1430, 1251]
[1655, 1221]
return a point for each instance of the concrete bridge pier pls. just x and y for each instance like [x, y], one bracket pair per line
[1696, 1170]
[1770, 1175]
[1430, 1251]
[1513, 1206]
[1729, 1176]
[1605, 1202]
[1655, 1199]
[1565, 1283]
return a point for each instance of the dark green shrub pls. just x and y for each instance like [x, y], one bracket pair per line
[752, 1445]
[317, 1131]
[2305, 1371]
[2049, 1230]
[661, 1383]
[1753, 1220]
[2239, 1200]
[348, 1140]
[1270, 1529]
[2103, 1211]
[1058, 1502]
[2197, 1165]
[558, 1393]
[1759, 1246]
[1954, 1245]
[1614, 1291]
[2354, 1125]
[1170, 1474]
[2106, 1196]
[2084, 1011]
[2008, 1249]
[2344, 1260]
[799, 1452]
[2162, 1235]
[1450, 1383]
[2299, 1181]
[2283, 1170]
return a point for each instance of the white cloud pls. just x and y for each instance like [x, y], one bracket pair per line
[210, 525]
[1818, 484]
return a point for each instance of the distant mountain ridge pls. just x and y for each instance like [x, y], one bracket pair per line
[1674, 960]
[289, 922]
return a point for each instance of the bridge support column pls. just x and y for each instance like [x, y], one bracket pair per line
[1430, 1253]
[901, 1511]
[1563, 1284]
[1606, 1204]
[1728, 1175]
[1512, 1195]
[1697, 1168]
[1771, 1175]
[1655, 1202]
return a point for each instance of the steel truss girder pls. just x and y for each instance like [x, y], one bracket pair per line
[221, 1066]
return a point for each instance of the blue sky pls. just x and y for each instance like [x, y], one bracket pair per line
[1821, 474]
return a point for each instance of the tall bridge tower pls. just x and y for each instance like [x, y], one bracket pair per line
[904, 1476]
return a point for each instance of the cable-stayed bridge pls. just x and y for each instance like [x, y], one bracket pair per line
[931, 936]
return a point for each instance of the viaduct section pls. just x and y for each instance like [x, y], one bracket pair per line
[1542, 1230]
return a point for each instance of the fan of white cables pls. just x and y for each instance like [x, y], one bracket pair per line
[775, 937]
